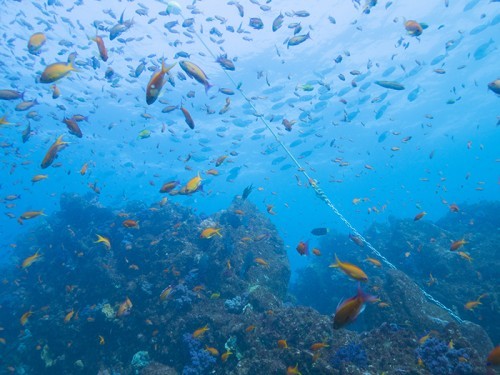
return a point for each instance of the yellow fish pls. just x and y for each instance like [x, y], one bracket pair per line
[350, 270]
[25, 317]
[30, 260]
[200, 331]
[32, 214]
[39, 177]
[210, 232]
[69, 315]
[56, 71]
[36, 42]
[104, 240]
[193, 184]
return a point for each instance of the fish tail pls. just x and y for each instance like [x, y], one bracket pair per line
[207, 86]
[365, 297]
[166, 69]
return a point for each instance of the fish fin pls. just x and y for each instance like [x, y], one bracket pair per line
[207, 86]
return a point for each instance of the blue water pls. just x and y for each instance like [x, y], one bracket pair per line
[444, 126]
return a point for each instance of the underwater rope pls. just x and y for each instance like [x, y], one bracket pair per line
[319, 192]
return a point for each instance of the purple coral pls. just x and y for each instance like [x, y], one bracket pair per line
[441, 359]
[201, 359]
[353, 353]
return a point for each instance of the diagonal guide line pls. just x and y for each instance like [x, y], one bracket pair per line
[314, 184]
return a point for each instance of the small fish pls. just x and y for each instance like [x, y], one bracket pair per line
[303, 248]
[31, 214]
[261, 261]
[256, 23]
[393, 85]
[131, 224]
[55, 92]
[319, 345]
[193, 184]
[278, 22]
[51, 154]
[103, 52]
[213, 351]
[187, 117]
[296, 40]
[166, 292]
[316, 252]
[73, 127]
[104, 240]
[471, 305]
[373, 261]
[495, 86]
[282, 344]
[457, 244]
[350, 270]
[210, 232]
[348, 310]
[156, 83]
[124, 308]
[419, 216]
[293, 370]
[56, 71]
[36, 42]
[194, 71]
[413, 28]
[101, 340]
[24, 318]
[39, 177]
[11, 95]
[493, 358]
[225, 356]
[31, 259]
[200, 331]
[320, 231]
[168, 186]
[69, 316]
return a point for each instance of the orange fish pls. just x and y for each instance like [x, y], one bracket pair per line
[124, 308]
[68, 316]
[373, 261]
[316, 252]
[350, 270]
[156, 83]
[51, 154]
[24, 318]
[102, 48]
[200, 331]
[419, 216]
[83, 170]
[225, 356]
[73, 127]
[131, 224]
[269, 209]
[168, 186]
[193, 185]
[457, 244]
[293, 370]
[494, 357]
[454, 208]
[261, 261]
[39, 177]
[56, 71]
[349, 309]
[250, 328]
[318, 346]
[213, 351]
[187, 117]
[220, 160]
[31, 214]
[210, 232]
[303, 248]
[282, 344]
[471, 305]
[30, 260]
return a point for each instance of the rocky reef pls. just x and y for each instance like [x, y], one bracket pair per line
[160, 298]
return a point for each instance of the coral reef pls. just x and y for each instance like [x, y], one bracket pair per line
[162, 300]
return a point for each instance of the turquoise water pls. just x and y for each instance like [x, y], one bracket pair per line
[376, 152]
